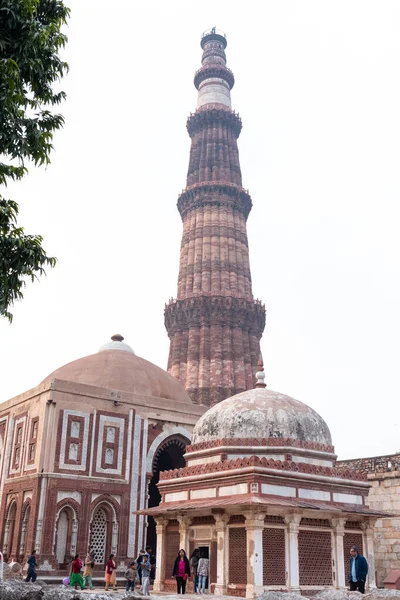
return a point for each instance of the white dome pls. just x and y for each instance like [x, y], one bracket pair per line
[117, 343]
[261, 413]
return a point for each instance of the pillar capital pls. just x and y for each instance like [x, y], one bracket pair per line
[368, 526]
[161, 523]
[255, 520]
[184, 521]
[221, 521]
[293, 520]
[338, 524]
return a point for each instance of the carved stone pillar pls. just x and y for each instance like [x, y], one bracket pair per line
[74, 536]
[161, 525]
[368, 529]
[338, 528]
[184, 523]
[254, 529]
[114, 538]
[6, 536]
[221, 521]
[293, 522]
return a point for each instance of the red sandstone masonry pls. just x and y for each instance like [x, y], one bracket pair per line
[269, 463]
[214, 326]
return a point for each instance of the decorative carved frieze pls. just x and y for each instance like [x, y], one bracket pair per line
[215, 310]
[275, 442]
[209, 71]
[214, 193]
[255, 461]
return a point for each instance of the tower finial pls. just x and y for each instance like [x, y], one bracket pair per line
[260, 375]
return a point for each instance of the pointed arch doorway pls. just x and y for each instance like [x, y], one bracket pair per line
[169, 455]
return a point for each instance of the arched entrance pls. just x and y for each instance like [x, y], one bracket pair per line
[66, 533]
[9, 529]
[99, 535]
[168, 456]
[26, 515]
[104, 527]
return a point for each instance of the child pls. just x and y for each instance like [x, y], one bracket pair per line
[146, 568]
[130, 575]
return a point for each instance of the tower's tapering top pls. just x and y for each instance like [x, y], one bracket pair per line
[214, 80]
[213, 34]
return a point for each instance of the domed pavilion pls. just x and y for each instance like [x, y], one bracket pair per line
[261, 495]
[82, 451]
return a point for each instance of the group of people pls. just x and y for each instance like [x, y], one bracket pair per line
[140, 571]
[198, 567]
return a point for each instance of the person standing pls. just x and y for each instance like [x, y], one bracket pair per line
[194, 559]
[181, 571]
[146, 569]
[130, 576]
[358, 571]
[111, 573]
[203, 572]
[139, 566]
[152, 560]
[32, 564]
[88, 571]
[75, 577]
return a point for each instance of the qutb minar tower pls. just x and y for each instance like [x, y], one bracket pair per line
[214, 325]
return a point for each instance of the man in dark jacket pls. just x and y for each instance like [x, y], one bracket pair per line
[358, 571]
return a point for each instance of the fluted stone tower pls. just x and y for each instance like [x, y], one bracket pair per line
[214, 325]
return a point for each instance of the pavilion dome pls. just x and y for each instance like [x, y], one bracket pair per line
[261, 413]
[115, 366]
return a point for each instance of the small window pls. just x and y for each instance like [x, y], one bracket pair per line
[32, 452]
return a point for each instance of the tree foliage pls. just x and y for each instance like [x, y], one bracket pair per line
[30, 66]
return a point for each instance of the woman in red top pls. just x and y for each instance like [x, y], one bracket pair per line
[111, 573]
[181, 571]
[76, 577]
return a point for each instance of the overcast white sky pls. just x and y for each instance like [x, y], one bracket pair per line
[318, 90]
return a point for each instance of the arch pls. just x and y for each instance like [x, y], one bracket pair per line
[65, 530]
[172, 431]
[166, 452]
[25, 517]
[105, 499]
[26, 505]
[99, 534]
[111, 509]
[68, 502]
[9, 527]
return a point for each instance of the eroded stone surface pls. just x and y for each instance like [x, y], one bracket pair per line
[262, 413]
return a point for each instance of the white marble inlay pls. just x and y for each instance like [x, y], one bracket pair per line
[348, 498]
[133, 505]
[143, 482]
[176, 496]
[75, 429]
[85, 434]
[77, 496]
[204, 493]
[109, 459]
[73, 452]
[278, 490]
[314, 494]
[114, 423]
[232, 490]
[111, 434]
